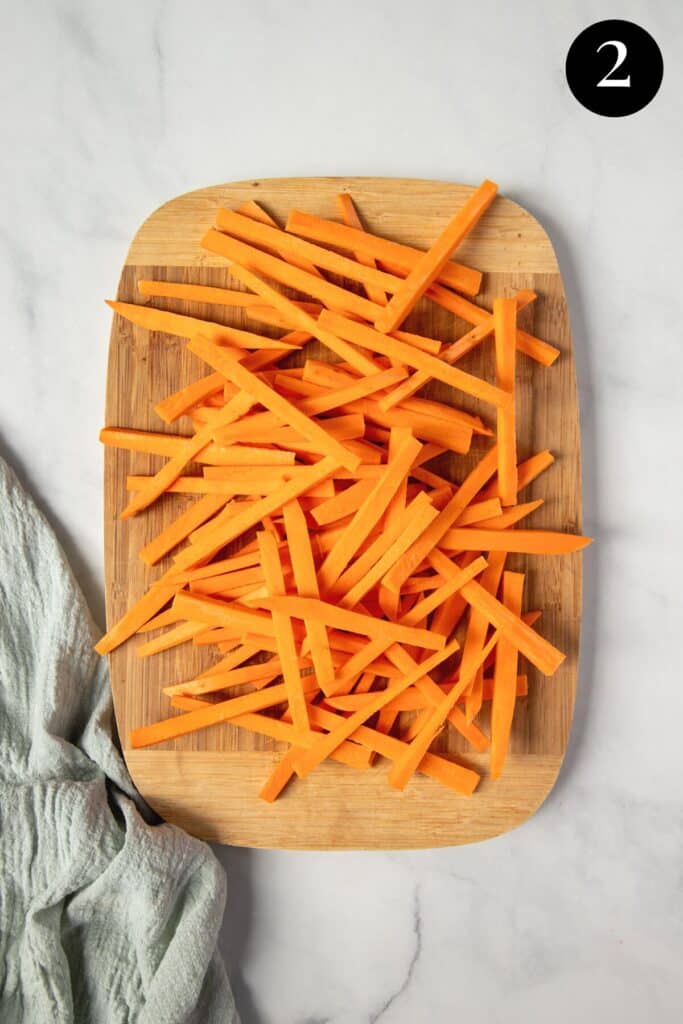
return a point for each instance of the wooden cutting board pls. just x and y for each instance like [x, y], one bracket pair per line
[208, 782]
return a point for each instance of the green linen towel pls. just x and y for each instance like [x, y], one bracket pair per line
[104, 917]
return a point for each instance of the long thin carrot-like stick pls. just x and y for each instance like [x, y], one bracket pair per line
[529, 542]
[331, 295]
[293, 247]
[428, 268]
[301, 320]
[536, 648]
[474, 481]
[153, 319]
[505, 324]
[162, 480]
[224, 533]
[369, 513]
[148, 605]
[350, 216]
[284, 634]
[451, 354]
[254, 212]
[322, 748]
[224, 361]
[505, 678]
[387, 252]
[376, 341]
[403, 768]
[213, 714]
[351, 621]
[301, 554]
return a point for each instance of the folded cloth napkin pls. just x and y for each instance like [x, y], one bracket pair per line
[104, 917]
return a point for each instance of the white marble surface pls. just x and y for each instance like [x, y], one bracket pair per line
[110, 108]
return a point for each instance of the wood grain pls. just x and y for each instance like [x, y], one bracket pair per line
[208, 782]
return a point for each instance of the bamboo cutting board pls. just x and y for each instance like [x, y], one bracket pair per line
[208, 782]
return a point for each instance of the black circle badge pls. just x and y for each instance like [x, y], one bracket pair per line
[614, 68]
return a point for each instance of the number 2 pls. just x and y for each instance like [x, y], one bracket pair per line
[608, 81]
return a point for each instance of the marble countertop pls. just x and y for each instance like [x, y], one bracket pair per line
[110, 109]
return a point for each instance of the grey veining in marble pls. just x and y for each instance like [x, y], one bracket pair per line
[108, 109]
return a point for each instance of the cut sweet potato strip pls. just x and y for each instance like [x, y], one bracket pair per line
[213, 714]
[414, 699]
[301, 554]
[162, 480]
[536, 349]
[276, 269]
[401, 257]
[153, 319]
[451, 354]
[369, 514]
[292, 247]
[254, 212]
[180, 634]
[147, 606]
[225, 363]
[351, 621]
[391, 543]
[473, 483]
[530, 542]
[321, 748]
[349, 215]
[370, 338]
[527, 471]
[505, 678]
[536, 648]
[225, 532]
[284, 634]
[298, 318]
[505, 323]
[180, 528]
[429, 266]
[403, 767]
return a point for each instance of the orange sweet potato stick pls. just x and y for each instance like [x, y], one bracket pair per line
[213, 714]
[182, 401]
[402, 257]
[301, 554]
[527, 471]
[352, 621]
[530, 542]
[376, 341]
[225, 362]
[292, 247]
[475, 480]
[321, 748]
[475, 638]
[539, 651]
[162, 480]
[451, 354]
[224, 533]
[153, 319]
[349, 215]
[403, 768]
[245, 255]
[253, 211]
[301, 320]
[172, 638]
[414, 699]
[505, 678]
[428, 604]
[503, 521]
[422, 514]
[180, 528]
[369, 514]
[148, 605]
[430, 265]
[505, 324]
